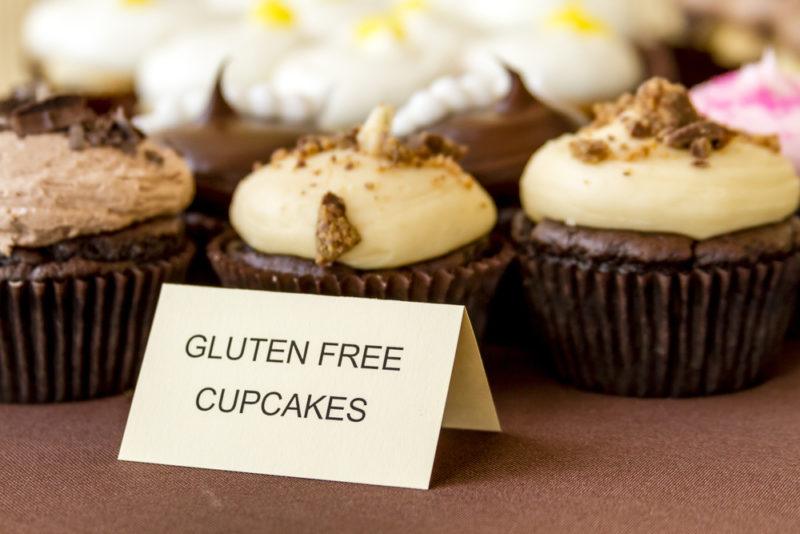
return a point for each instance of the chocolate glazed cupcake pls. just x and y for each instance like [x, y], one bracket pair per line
[365, 215]
[501, 138]
[221, 148]
[89, 230]
[659, 249]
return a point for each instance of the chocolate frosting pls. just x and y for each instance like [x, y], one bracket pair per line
[222, 147]
[502, 137]
[31, 111]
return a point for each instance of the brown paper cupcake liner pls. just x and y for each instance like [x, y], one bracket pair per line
[662, 334]
[82, 337]
[472, 285]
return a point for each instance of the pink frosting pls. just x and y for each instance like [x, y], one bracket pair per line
[760, 99]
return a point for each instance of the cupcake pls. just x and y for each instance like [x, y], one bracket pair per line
[92, 47]
[89, 230]
[222, 146]
[489, 110]
[726, 35]
[339, 75]
[762, 98]
[512, 95]
[659, 249]
[365, 215]
[174, 79]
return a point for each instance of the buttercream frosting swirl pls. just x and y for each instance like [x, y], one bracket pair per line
[667, 170]
[66, 172]
[407, 205]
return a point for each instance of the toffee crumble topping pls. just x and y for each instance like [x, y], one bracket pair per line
[373, 138]
[659, 113]
[335, 234]
[30, 111]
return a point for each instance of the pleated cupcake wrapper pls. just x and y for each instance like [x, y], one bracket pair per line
[472, 285]
[659, 334]
[79, 338]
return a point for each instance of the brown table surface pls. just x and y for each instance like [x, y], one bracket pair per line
[568, 461]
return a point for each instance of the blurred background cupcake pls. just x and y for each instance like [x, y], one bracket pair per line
[725, 35]
[92, 47]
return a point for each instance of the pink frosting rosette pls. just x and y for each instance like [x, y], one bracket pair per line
[760, 98]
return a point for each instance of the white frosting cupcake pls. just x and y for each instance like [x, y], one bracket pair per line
[175, 80]
[383, 59]
[636, 19]
[275, 209]
[93, 46]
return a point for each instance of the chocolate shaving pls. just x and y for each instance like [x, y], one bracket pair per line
[54, 114]
[590, 150]
[25, 114]
[335, 234]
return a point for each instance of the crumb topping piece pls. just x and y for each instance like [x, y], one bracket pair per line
[590, 150]
[335, 234]
[31, 112]
[374, 138]
[660, 112]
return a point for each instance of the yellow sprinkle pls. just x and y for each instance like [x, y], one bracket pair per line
[391, 24]
[136, 3]
[273, 13]
[574, 16]
[411, 5]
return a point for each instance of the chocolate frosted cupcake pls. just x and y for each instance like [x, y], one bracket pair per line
[365, 215]
[660, 249]
[501, 137]
[222, 146]
[89, 230]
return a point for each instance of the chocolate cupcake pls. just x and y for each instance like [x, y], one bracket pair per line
[502, 136]
[659, 249]
[365, 215]
[89, 230]
[223, 146]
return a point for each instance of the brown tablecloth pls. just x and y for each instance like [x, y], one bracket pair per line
[568, 461]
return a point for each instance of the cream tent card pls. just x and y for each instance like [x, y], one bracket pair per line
[332, 388]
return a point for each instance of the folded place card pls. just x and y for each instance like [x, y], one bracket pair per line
[332, 388]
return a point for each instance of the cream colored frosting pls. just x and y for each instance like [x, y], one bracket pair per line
[404, 213]
[744, 185]
[94, 45]
[49, 192]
